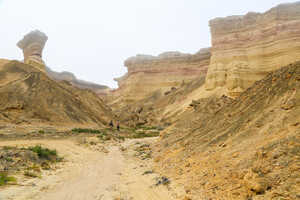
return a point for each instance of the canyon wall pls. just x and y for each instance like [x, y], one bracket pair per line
[245, 48]
[147, 74]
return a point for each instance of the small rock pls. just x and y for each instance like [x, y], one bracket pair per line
[255, 183]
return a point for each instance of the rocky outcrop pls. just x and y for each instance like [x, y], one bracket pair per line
[70, 77]
[29, 96]
[32, 45]
[147, 73]
[245, 48]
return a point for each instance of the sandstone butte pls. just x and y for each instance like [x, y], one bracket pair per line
[244, 49]
[147, 74]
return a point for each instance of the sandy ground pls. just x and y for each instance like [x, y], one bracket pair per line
[90, 175]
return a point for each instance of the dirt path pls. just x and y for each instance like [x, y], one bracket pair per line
[88, 175]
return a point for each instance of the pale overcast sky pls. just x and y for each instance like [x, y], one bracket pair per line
[92, 38]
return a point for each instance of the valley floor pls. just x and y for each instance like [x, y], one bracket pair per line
[89, 174]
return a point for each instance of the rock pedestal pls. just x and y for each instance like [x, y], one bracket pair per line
[32, 46]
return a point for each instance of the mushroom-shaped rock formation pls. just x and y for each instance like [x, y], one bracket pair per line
[32, 45]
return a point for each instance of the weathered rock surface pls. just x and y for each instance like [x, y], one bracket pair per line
[243, 148]
[32, 45]
[160, 108]
[29, 96]
[245, 48]
[147, 74]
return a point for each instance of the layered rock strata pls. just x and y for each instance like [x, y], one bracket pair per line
[147, 74]
[245, 48]
[32, 46]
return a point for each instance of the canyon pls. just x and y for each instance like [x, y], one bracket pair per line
[227, 118]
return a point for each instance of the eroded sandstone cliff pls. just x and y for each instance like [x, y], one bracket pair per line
[147, 74]
[245, 48]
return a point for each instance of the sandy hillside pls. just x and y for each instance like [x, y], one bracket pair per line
[28, 96]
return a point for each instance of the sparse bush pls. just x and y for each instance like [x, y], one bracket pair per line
[146, 128]
[85, 130]
[7, 148]
[44, 153]
[9, 159]
[41, 131]
[5, 179]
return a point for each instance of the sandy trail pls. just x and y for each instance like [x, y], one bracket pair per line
[97, 178]
[87, 175]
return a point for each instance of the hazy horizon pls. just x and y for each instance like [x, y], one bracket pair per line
[93, 38]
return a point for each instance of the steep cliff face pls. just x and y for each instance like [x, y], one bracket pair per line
[245, 48]
[147, 74]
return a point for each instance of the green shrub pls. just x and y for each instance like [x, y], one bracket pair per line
[6, 148]
[4, 179]
[9, 159]
[146, 128]
[41, 131]
[85, 130]
[44, 153]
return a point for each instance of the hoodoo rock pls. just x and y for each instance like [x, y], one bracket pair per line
[147, 74]
[32, 45]
[246, 48]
